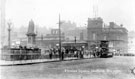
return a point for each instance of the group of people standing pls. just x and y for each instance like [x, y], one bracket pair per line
[66, 52]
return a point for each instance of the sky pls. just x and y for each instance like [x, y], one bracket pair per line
[45, 13]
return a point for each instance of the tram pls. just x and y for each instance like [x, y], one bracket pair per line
[102, 49]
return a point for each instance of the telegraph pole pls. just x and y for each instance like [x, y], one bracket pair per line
[60, 53]
[9, 30]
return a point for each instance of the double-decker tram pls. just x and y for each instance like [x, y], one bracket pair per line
[102, 49]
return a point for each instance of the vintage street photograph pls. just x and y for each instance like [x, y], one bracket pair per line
[67, 39]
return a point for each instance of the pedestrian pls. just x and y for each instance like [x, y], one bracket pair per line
[62, 53]
[50, 54]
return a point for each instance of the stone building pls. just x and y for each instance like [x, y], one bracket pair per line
[117, 35]
[50, 40]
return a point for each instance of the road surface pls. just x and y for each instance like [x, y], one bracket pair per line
[96, 68]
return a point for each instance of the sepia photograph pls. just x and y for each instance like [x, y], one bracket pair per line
[67, 39]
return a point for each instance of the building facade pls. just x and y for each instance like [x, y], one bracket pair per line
[50, 40]
[115, 34]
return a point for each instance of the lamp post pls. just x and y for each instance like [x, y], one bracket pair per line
[75, 41]
[9, 30]
[41, 42]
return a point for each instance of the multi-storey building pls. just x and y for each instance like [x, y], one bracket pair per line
[115, 34]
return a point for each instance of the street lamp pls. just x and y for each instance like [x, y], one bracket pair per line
[9, 30]
[42, 37]
[75, 41]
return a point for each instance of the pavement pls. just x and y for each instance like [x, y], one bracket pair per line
[34, 61]
[118, 67]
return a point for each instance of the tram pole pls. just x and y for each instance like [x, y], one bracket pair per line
[60, 53]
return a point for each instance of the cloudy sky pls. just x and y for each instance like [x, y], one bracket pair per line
[45, 12]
